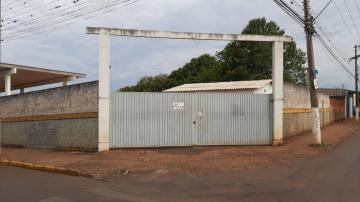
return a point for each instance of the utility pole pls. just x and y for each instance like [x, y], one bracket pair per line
[356, 82]
[1, 28]
[309, 29]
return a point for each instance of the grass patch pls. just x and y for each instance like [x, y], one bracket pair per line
[321, 146]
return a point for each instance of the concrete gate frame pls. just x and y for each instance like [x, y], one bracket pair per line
[104, 71]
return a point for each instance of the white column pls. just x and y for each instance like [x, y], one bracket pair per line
[7, 74]
[68, 79]
[104, 91]
[7, 84]
[346, 105]
[278, 92]
[354, 100]
[351, 108]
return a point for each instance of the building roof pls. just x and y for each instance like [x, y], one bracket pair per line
[335, 92]
[234, 85]
[25, 76]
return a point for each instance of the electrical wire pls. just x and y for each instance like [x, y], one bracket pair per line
[293, 14]
[344, 21]
[352, 18]
[90, 4]
[66, 22]
[70, 16]
[322, 10]
[358, 7]
[329, 48]
[65, 18]
[35, 7]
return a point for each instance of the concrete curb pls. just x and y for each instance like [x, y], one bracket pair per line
[45, 168]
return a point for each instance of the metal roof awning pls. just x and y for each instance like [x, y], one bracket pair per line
[221, 86]
[27, 77]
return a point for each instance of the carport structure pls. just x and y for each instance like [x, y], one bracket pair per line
[104, 70]
[19, 77]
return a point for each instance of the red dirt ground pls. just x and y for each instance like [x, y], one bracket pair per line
[185, 160]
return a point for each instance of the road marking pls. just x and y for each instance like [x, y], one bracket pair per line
[56, 199]
[119, 196]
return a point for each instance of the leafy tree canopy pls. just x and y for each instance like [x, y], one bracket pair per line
[238, 61]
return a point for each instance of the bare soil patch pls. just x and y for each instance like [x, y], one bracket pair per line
[198, 160]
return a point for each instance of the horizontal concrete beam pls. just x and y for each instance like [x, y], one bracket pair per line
[187, 35]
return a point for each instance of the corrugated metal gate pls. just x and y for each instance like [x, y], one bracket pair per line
[148, 120]
[188, 119]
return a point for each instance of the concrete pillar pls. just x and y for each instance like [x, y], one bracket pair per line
[7, 84]
[351, 108]
[346, 107]
[104, 91]
[7, 79]
[68, 80]
[278, 92]
[356, 108]
[354, 100]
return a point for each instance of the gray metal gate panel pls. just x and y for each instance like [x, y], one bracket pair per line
[148, 120]
[234, 119]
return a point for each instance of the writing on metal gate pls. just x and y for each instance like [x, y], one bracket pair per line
[178, 106]
[188, 119]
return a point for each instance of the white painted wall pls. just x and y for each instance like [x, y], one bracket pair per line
[267, 90]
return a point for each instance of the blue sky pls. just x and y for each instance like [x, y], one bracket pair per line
[69, 48]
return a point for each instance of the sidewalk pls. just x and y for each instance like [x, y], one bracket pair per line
[184, 160]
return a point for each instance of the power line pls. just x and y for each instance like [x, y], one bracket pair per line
[325, 7]
[69, 20]
[68, 17]
[351, 17]
[38, 8]
[14, 5]
[288, 10]
[358, 7]
[329, 48]
[33, 7]
[53, 15]
[334, 55]
[344, 21]
[71, 16]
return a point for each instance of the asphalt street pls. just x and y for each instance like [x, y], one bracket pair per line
[333, 175]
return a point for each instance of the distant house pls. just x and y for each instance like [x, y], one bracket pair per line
[254, 87]
[340, 99]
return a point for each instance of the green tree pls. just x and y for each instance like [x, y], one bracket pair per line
[199, 70]
[253, 60]
[202, 69]
[238, 61]
[150, 84]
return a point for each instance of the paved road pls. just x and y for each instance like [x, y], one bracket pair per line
[331, 176]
